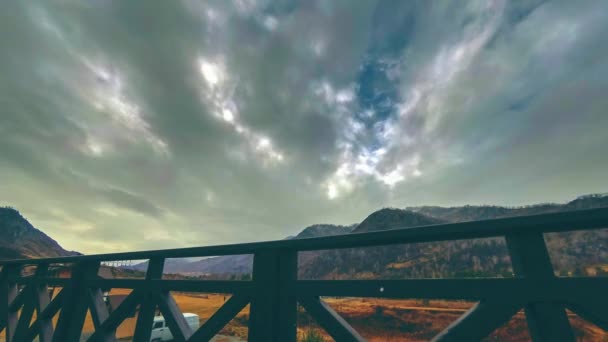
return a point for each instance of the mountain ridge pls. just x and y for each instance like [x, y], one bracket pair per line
[239, 264]
[479, 257]
[394, 218]
[387, 260]
[20, 239]
[483, 256]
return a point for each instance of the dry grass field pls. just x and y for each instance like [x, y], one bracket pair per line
[378, 320]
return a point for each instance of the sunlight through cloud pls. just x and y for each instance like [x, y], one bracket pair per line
[218, 95]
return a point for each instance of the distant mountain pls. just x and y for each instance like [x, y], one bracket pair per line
[19, 239]
[480, 257]
[319, 230]
[391, 218]
[485, 212]
[238, 264]
[359, 262]
[571, 252]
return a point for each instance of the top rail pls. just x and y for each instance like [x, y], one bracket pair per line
[544, 223]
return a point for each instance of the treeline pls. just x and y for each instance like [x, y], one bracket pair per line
[578, 253]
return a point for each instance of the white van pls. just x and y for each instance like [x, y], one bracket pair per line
[161, 332]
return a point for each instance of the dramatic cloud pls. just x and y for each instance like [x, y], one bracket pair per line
[180, 123]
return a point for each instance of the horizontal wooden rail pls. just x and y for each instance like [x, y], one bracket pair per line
[514, 289]
[275, 291]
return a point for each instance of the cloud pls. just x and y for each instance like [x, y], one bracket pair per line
[124, 199]
[187, 123]
[218, 94]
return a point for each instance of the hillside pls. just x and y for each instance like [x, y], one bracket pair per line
[19, 239]
[486, 212]
[390, 218]
[572, 253]
[584, 252]
[319, 230]
[238, 264]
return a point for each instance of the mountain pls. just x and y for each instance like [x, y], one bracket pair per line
[582, 252]
[319, 230]
[359, 262]
[391, 218]
[19, 239]
[571, 252]
[485, 212]
[479, 257]
[238, 264]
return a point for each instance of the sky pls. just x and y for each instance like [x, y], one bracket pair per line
[131, 125]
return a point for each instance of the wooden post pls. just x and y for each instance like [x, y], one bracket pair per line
[147, 308]
[42, 300]
[75, 305]
[273, 306]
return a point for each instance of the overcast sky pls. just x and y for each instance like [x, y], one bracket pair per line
[129, 125]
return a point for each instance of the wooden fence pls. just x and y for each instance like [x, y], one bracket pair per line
[275, 290]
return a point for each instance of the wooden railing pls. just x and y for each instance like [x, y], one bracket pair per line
[275, 290]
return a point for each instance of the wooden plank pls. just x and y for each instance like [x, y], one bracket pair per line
[18, 302]
[330, 320]
[53, 307]
[480, 321]
[36, 298]
[50, 281]
[8, 293]
[209, 286]
[147, 308]
[99, 311]
[25, 318]
[41, 292]
[594, 311]
[473, 289]
[220, 318]
[12, 316]
[176, 321]
[46, 314]
[553, 222]
[547, 320]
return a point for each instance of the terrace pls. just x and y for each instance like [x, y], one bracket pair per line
[274, 292]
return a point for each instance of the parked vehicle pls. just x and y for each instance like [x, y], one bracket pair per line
[161, 332]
